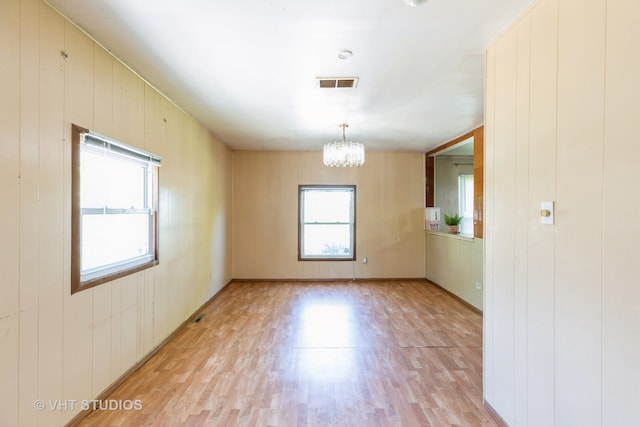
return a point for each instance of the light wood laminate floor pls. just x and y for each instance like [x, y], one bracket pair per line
[379, 353]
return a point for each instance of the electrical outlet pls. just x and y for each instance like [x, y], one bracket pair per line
[479, 286]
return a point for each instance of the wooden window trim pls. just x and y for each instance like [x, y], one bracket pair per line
[319, 186]
[77, 284]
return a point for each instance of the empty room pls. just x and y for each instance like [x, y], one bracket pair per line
[337, 213]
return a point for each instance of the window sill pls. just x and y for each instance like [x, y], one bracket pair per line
[81, 286]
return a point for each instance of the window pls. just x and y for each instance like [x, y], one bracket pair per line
[327, 225]
[465, 202]
[114, 209]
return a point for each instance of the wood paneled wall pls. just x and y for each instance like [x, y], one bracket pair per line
[55, 345]
[455, 264]
[561, 301]
[389, 223]
[478, 182]
[430, 181]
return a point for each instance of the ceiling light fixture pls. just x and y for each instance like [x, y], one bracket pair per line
[414, 3]
[343, 153]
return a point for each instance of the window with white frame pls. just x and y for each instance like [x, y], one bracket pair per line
[114, 209]
[327, 225]
[465, 203]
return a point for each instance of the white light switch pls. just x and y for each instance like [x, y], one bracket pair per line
[546, 213]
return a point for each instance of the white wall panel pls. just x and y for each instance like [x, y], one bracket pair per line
[51, 211]
[101, 329]
[578, 278]
[116, 325]
[488, 170]
[78, 309]
[147, 311]
[103, 93]
[522, 215]
[504, 210]
[541, 238]
[28, 226]
[579, 293]
[9, 214]
[621, 250]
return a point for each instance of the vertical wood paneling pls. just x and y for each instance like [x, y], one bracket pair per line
[51, 210]
[504, 222]
[117, 70]
[131, 93]
[581, 286]
[449, 281]
[522, 215]
[478, 183]
[465, 270]
[188, 293]
[128, 321]
[390, 214]
[103, 93]
[489, 141]
[541, 238]
[221, 235]
[116, 325]
[137, 283]
[78, 309]
[621, 251]
[579, 192]
[101, 349]
[54, 345]
[476, 298]
[179, 293]
[29, 208]
[171, 249]
[9, 212]
[147, 311]
[430, 180]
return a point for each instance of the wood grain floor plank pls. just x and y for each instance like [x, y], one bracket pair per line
[379, 353]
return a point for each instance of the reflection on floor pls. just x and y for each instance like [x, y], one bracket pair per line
[401, 353]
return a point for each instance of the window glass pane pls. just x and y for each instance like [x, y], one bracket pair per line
[465, 199]
[108, 239]
[327, 240]
[111, 180]
[327, 206]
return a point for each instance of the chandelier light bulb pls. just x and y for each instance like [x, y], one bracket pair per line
[343, 153]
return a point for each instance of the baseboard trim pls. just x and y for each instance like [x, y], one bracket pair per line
[497, 418]
[463, 301]
[75, 421]
[338, 279]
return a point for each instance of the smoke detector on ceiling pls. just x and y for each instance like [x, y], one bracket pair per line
[345, 54]
[414, 3]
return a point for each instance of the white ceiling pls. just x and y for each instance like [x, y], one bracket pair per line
[247, 69]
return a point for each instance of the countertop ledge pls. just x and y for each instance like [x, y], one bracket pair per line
[468, 237]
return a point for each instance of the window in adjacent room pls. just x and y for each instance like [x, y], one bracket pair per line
[465, 202]
[327, 225]
[114, 209]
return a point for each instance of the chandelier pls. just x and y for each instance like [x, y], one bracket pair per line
[343, 154]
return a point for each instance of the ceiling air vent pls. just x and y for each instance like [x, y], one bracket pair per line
[337, 82]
